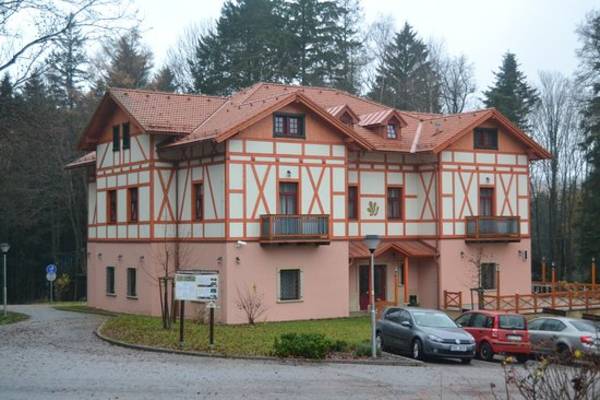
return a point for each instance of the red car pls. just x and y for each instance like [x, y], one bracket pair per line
[497, 332]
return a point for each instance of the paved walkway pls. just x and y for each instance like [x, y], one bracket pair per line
[55, 355]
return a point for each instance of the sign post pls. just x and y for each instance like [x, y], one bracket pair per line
[199, 286]
[211, 335]
[51, 277]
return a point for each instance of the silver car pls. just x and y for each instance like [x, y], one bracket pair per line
[563, 335]
[424, 333]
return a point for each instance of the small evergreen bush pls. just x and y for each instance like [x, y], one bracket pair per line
[307, 345]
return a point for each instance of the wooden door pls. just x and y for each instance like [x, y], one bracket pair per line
[363, 285]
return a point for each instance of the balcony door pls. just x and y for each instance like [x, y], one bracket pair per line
[288, 198]
[486, 202]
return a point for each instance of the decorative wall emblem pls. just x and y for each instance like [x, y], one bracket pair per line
[373, 209]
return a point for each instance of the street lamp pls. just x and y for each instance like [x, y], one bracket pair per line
[4, 247]
[372, 241]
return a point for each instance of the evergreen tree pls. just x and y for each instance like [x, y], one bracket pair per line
[589, 229]
[244, 48]
[164, 80]
[315, 36]
[405, 77]
[350, 48]
[66, 69]
[130, 63]
[511, 94]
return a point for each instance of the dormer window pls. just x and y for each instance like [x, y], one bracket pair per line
[391, 131]
[286, 125]
[347, 119]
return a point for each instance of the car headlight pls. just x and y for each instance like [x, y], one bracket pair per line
[470, 338]
[435, 338]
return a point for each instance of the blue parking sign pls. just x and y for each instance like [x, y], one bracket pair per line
[51, 269]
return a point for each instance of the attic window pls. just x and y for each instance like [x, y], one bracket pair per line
[485, 138]
[287, 125]
[347, 119]
[126, 137]
[392, 133]
[116, 141]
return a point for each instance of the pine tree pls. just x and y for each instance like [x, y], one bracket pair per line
[589, 229]
[511, 94]
[66, 67]
[164, 80]
[130, 62]
[245, 47]
[405, 77]
[350, 48]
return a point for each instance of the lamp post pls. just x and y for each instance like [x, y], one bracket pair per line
[4, 247]
[372, 241]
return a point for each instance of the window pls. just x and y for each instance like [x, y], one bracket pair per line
[131, 282]
[352, 202]
[289, 284]
[288, 198]
[394, 203]
[488, 275]
[116, 141]
[553, 325]
[132, 193]
[391, 131]
[536, 324]
[198, 195]
[111, 216]
[486, 138]
[464, 320]
[110, 280]
[288, 125]
[486, 201]
[515, 322]
[347, 119]
[126, 137]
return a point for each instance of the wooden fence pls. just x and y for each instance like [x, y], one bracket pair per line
[576, 296]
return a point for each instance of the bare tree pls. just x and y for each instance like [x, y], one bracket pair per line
[475, 258]
[179, 56]
[556, 124]
[378, 36]
[23, 46]
[252, 303]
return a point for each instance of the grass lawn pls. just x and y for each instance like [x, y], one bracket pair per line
[12, 317]
[81, 307]
[241, 340]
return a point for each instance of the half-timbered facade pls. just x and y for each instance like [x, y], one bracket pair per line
[275, 186]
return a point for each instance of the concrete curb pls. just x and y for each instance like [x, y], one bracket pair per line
[402, 361]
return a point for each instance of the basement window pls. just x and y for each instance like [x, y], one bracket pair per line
[488, 276]
[131, 282]
[290, 285]
[110, 280]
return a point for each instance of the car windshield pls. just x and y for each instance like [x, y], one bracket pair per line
[585, 326]
[511, 322]
[433, 320]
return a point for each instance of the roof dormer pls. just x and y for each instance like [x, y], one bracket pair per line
[344, 113]
[387, 123]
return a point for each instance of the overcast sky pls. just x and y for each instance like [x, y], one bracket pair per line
[540, 32]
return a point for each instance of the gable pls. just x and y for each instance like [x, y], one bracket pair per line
[507, 143]
[316, 129]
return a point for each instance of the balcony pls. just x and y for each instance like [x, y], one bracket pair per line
[299, 229]
[493, 229]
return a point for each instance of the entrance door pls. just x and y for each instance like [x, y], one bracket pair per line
[363, 285]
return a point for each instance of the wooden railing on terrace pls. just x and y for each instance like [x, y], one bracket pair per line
[295, 228]
[493, 229]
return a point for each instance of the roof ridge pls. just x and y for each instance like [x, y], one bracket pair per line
[162, 92]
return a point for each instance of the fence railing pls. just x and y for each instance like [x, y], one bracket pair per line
[492, 228]
[453, 300]
[294, 228]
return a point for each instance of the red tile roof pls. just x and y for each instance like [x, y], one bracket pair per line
[88, 159]
[197, 117]
[411, 248]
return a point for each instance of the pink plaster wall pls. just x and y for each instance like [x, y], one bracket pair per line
[457, 274]
[325, 276]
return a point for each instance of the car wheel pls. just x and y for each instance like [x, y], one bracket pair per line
[417, 350]
[522, 358]
[485, 352]
[465, 361]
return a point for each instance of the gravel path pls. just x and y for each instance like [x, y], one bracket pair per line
[55, 355]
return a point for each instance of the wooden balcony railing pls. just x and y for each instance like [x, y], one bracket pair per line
[493, 229]
[303, 228]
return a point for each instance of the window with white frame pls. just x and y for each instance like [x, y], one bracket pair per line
[290, 284]
[131, 282]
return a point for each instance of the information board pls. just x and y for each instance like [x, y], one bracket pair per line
[197, 286]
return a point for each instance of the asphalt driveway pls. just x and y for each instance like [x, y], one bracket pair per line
[55, 355]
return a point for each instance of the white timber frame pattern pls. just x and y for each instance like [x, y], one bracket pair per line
[463, 173]
[373, 173]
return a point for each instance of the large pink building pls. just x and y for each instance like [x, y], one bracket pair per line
[275, 187]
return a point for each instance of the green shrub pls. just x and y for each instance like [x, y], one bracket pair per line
[307, 345]
[339, 346]
[363, 349]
